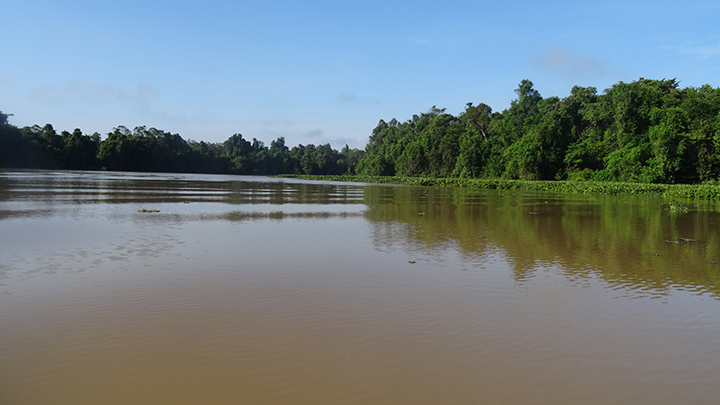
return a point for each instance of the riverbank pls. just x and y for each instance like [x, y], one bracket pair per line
[690, 191]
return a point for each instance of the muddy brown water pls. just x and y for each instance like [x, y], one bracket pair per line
[268, 291]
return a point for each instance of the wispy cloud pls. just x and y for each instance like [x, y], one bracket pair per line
[703, 51]
[441, 35]
[347, 98]
[423, 41]
[46, 94]
[88, 99]
[278, 122]
[573, 65]
[94, 93]
[352, 98]
[315, 133]
[5, 79]
[339, 142]
[147, 92]
[291, 133]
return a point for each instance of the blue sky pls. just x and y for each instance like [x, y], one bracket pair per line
[327, 71]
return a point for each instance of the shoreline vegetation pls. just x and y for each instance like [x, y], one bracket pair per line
[680, 191]
[644, 137]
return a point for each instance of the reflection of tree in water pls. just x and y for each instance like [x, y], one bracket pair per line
[118, 188]
[425, 228]
[626, 241]
[99, 200]
[291, 193]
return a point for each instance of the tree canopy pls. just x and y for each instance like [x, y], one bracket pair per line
[154, 150]
[648, 131]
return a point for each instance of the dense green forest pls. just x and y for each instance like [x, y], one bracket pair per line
[154, 150]
[649, 131]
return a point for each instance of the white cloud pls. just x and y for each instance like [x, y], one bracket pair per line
[315, 133]
[352, 98]
[423, 42]
[87, 101]
[316, 137]
[147, 92]
[5, 79]
[347, 98]
[703, 51]
[573, 65]
[312, 135]
[340, 142]
[94, 93]
[278, 122]
[46, 94]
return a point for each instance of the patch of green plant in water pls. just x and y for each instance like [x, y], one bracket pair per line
[145, 211]
[677, 207]
[681, 191]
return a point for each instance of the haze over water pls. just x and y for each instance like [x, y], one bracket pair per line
[259, 290]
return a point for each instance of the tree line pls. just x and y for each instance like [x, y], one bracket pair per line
[153, 150]
[649, 131]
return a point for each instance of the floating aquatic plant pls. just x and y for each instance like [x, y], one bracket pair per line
[680, 241]
[696, 191]
[677, 207]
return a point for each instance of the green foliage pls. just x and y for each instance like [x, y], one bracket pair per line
[677, 191]
[647, 131]
[675, 206]
[80, 151]
[154, 150]
[4, 118]
[11, 143]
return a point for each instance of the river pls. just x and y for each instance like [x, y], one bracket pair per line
[241, 289]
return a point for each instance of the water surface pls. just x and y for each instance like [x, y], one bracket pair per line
[258, 290]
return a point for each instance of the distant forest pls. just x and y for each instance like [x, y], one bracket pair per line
[648, 131]
[154, 150]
